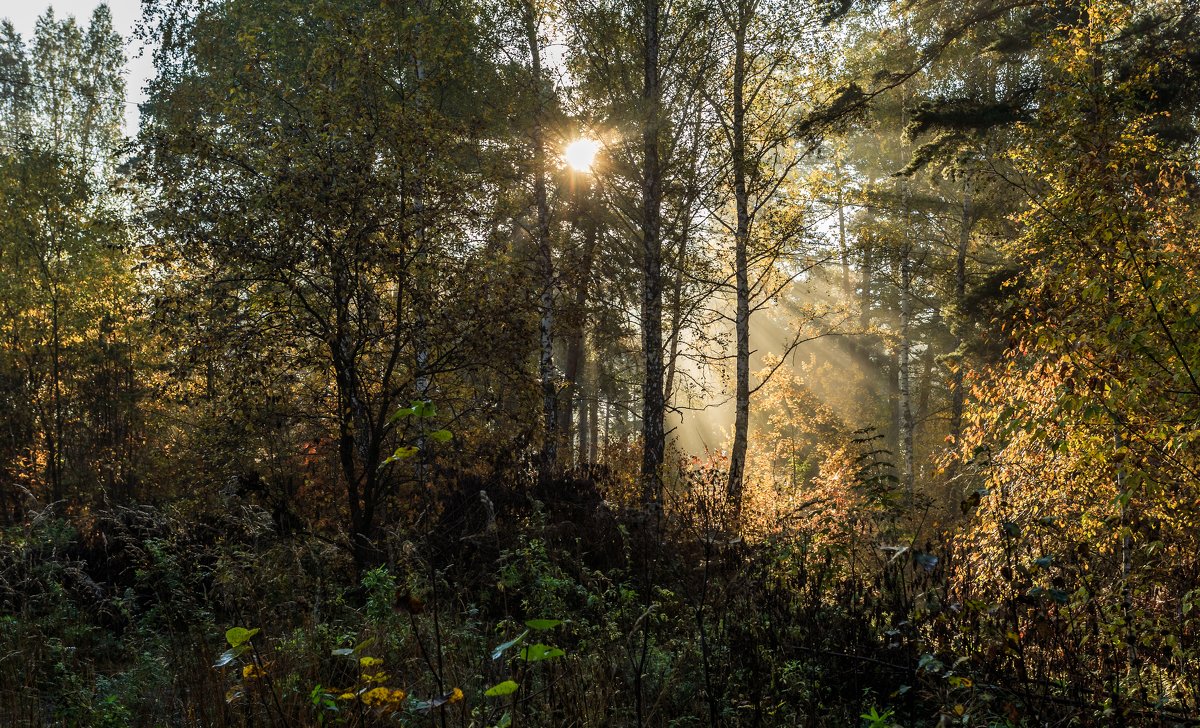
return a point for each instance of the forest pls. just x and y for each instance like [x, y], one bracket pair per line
[507, 363]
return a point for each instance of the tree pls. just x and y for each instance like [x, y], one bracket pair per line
[757, 103]
[319, 200]
[64, 245]
[1085, 427]
[531, 15]
[650, 228]
[643, 63]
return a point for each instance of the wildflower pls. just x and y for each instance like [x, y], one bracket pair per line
[346, 696]
[376, 696]
[398, 696]
[379, 677]
[455, 695]
[369, 662]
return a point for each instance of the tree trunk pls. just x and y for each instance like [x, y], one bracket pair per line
[353, 428]
[676, 315]
[864, 299]
[576, 350]
[54, 456]
[421, 375]
[685, 234]
[593, 450]
[741, 423]
[960, 293]
[653, 434]
[927, 361]
[585, 424]
[545, 256]
[607, 428]
[904, 359]
[843, 250]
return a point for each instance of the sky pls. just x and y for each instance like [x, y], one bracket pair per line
[126, 13]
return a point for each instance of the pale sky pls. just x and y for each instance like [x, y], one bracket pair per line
[126, 13]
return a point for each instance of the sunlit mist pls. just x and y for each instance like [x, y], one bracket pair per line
[810, 309]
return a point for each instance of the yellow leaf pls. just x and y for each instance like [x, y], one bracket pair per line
[253, 672]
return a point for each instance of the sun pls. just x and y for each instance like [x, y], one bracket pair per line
[580, 154]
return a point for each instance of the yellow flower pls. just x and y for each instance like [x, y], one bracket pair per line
[379, 677]
[346, 696]
[376, 696]
[253, 672]
[455, 695]
[369, 662]
[398, 696]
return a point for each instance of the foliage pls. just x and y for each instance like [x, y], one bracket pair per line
[334, 398]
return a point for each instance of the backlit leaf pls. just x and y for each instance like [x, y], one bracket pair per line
[508, 687]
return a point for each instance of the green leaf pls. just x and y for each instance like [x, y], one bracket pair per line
[402, 452]
[929, 663]
[508, 687]
[237, 636]
[424, 409]
[401, 414]
[539, 652]
[441, 436]
[543, 624]
[500, 649]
